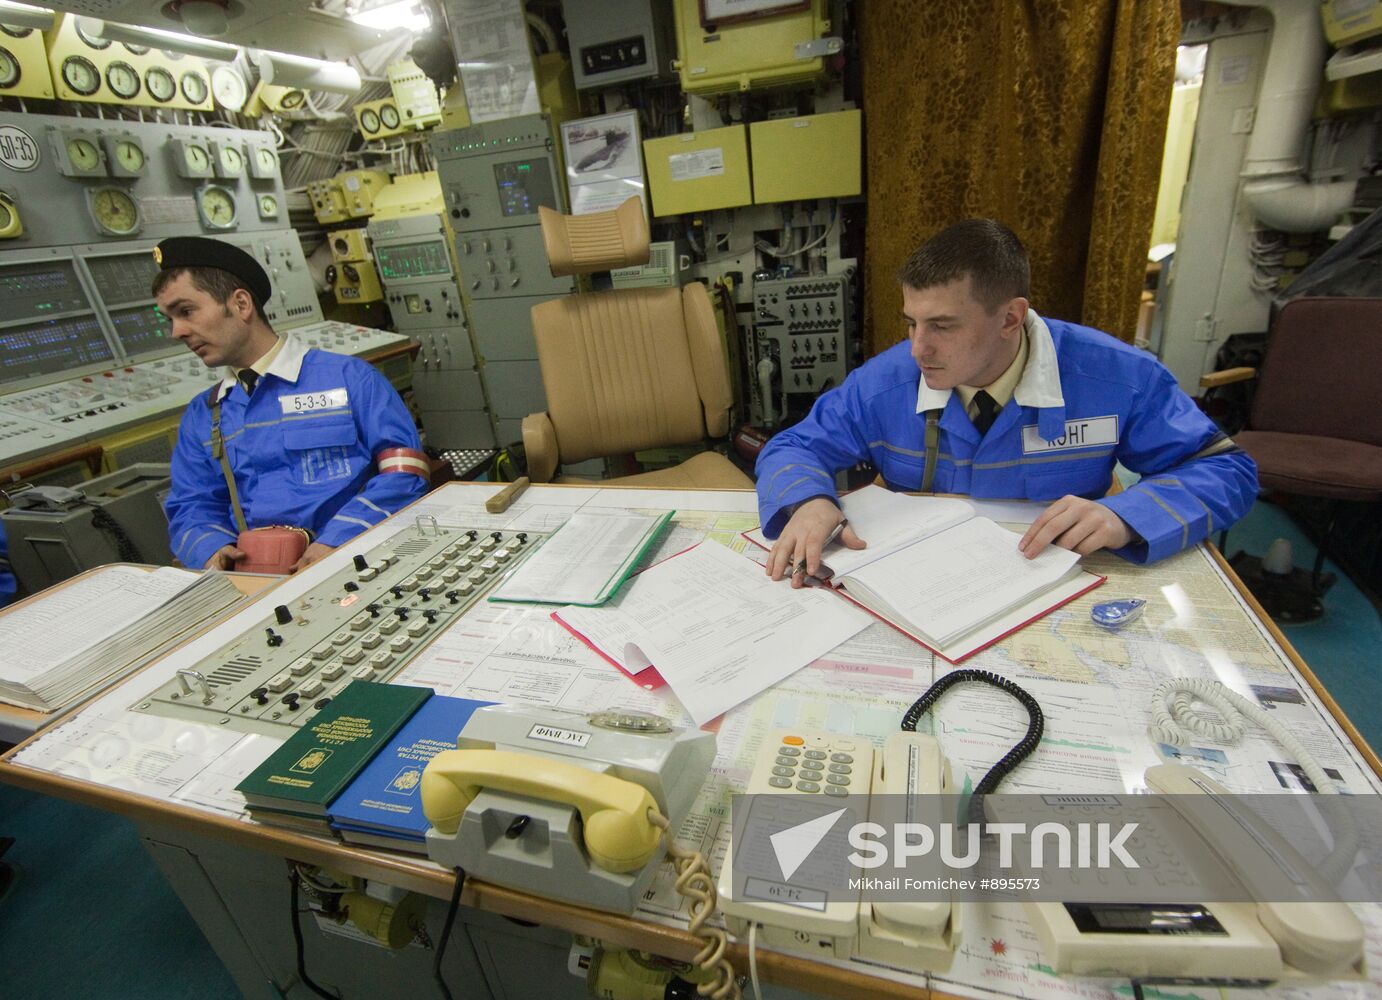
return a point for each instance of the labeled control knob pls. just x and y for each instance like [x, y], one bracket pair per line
[261, 695]
[274, 638]
[397, 592]
[282, 614]
[430, 614]
[522, 537]
[454, 596]
[402, 613]
[498, 536]
[472, 534]
[291, 700]
[360, 563]
[373, 610]
[425, 593]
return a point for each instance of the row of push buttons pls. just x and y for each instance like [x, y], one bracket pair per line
[810, 766]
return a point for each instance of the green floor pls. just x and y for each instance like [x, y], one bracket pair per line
[91, 916]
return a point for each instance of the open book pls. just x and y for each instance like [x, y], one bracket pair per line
[73, 639]
[952, 580]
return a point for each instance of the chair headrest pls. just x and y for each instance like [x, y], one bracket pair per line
[601, 241]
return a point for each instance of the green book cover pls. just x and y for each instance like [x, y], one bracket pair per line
[319, 760]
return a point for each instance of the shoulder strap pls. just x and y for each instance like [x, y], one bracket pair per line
[218, 451]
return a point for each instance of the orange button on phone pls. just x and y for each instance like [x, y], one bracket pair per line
[793, 741]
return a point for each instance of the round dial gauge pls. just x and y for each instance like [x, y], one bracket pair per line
[9, 68]
[232, 160]
[122, 79]
[115, 211]
[14, 32]
[81, 75]
[196, 157]
[369, 120]
[265, 159]
[129, 155]
[268, 206]
[161, 84]
[6, 215]
[194, 87]
[92, 40]
[136, 50]
[83, 154]
[218, 207]
[292, 99]
[228, 87]
[388, 114]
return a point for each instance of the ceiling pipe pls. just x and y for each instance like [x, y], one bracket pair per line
[1274, 186]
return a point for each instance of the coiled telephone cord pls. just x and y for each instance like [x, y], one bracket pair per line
[694, 882]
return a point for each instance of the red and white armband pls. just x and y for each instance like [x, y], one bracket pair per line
[404, 460]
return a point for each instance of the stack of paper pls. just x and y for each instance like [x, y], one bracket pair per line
[584, 561]
[77, 637]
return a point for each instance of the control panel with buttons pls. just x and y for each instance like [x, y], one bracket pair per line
[365, 622]
[802, 341]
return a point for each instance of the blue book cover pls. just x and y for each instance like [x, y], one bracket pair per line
[387, 796]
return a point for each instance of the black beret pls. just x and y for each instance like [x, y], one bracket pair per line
[198, 251]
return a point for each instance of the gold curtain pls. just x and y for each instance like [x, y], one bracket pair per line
[1048, 115]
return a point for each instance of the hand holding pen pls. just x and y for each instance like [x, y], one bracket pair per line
[823, 572]
[815, 524]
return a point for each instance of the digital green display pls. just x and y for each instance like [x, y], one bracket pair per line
[412, 260]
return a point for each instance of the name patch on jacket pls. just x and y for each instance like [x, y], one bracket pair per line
[1084, 433]
[311, 402]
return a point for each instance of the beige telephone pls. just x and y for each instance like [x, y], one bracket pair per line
[1243, 943]
[817, 920]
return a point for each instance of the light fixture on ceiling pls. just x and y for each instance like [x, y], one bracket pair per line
[206, 18]
[283, 70]
[155, 38]
[401, 14]
[21, 15]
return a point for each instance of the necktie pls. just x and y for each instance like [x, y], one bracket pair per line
[248, 377]
[988, 412]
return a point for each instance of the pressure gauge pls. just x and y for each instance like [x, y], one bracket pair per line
[195, 87]
[228, 87]
[230, 161]
[81, 75]
[123, 80]
[114, 211]
[160, 84]
[135, 50]
[388, 114]
[268, 206]
[369, 120]
[264, 164]
[292, 100]
[14, 32]
[9, 68]
[217, 207]
[124, 155]
[92, 40]
[84, 155]
[191, 158]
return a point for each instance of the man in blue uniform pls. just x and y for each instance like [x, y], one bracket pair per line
[8, 584]
[989, 399]
[312, 439]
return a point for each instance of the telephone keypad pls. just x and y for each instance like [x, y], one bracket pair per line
[786, 762]
[815, 755]
[783, 772]
[789, 751]
[808, 786]
[780, 782]
[835, 790]
[842, 758]
[794, 767]
[840, 769]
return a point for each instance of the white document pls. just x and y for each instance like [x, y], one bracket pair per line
[887, 521]
[584, 561]
[716, 628]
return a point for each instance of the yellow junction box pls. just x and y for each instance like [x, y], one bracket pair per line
[348, 244]
[769, 51]
[699, 171]
[409, 195]
[357, 282]
[815, 156]
[26, 65]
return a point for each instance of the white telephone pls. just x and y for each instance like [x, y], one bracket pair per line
[919, 936]
[1228, 943]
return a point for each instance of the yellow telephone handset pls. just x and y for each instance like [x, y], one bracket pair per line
[614, 812]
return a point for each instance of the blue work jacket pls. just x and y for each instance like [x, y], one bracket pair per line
[302, 447]
[8, 584]
[1084, 402]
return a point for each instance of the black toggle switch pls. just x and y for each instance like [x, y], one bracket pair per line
[402, 614]
[430, 614]
[351, 585]
[522, 537]
[454, 596]
[321, 703]
[261, 695]
[274, 638]
[360, 563]
[472, 534]
[282, 614]
[373, 610]
[425, 593]
[291, 700]
[498, 536]
[397, 592]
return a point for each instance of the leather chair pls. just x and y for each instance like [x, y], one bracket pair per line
[1315, 427]
[627, 369]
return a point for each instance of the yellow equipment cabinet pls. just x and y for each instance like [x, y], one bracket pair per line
[815, 156]
[699, 171]
[24, 64]
[348, 244]
[414, 94]
[357, 282]
[152, 441]
[328, 201]
[86, 68]
[781, 44]
[1347, 21]
[359, 188]
[408, 195]
[269, 97]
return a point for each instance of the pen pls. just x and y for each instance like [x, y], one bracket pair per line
[834, 534]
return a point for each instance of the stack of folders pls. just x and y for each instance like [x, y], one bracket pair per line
[585, 561]
[298, 782]
[70, 641]
[382, 807]
[937, 571]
